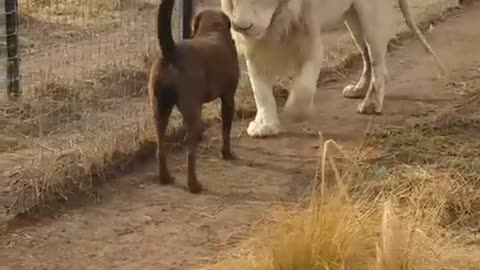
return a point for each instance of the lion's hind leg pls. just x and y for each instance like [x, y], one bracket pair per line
[373, 101]
[360, 89]
[376, 36]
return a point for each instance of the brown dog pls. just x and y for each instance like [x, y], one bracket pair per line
[188, 74]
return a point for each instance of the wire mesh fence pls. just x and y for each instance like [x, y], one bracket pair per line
[70, 40]
[106, 37]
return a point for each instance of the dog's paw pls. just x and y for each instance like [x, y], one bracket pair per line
[195, 187]
[256, 129]
[368, 107]
[166, 179]
[229, 156]
[351, 91]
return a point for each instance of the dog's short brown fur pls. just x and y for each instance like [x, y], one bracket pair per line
[190, 73]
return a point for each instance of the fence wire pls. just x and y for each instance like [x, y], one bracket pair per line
[77, 42]
[66, 42]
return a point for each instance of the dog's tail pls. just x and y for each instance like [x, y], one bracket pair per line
[405, 9]
[164, 29]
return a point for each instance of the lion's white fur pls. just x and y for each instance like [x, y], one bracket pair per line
[284, 37]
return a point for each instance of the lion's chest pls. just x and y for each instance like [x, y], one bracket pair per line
[279, 57]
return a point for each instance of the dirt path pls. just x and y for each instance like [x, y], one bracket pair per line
[139, 225]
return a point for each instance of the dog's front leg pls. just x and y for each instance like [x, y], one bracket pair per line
[300, 102]
[266, 121]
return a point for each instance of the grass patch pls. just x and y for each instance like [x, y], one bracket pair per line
[75, 10]
[68, 138]
[359, 230]
[52, 22]
[55, 104]
[344, 230]
[59, 172]
[57, 167]
[65, 136]
[440, 155]
[409, 198]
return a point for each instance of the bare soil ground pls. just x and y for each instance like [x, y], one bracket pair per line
[136, 224]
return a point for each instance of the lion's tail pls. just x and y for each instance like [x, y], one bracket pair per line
[164, 29]
[405, 9]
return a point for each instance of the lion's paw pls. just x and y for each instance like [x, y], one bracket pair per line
[298, 113]
[351, 91]
[256, 129]
[368, 107]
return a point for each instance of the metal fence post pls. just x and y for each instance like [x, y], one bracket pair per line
[182, 18]
[13, 72]
[187, 8]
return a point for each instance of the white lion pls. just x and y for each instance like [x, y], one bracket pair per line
[280, 37]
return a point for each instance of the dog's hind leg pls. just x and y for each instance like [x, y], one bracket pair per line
[161, 114]
[228, 111]
[193, 120]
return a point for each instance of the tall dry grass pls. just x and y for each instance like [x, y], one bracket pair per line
[408, 198]
[341, 229]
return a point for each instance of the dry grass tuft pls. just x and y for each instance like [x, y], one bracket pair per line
[361, 230]
[67, 136]
[74, 167]
[55, 103]
[436, 161]
[414, 205]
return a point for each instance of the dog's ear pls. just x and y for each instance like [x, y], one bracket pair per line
[227, 20]
[196, 24]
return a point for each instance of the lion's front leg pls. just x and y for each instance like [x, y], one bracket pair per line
[266, 121]
[300, 103]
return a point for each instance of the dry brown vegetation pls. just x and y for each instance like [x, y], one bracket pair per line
[409, 198]
[79, 12]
